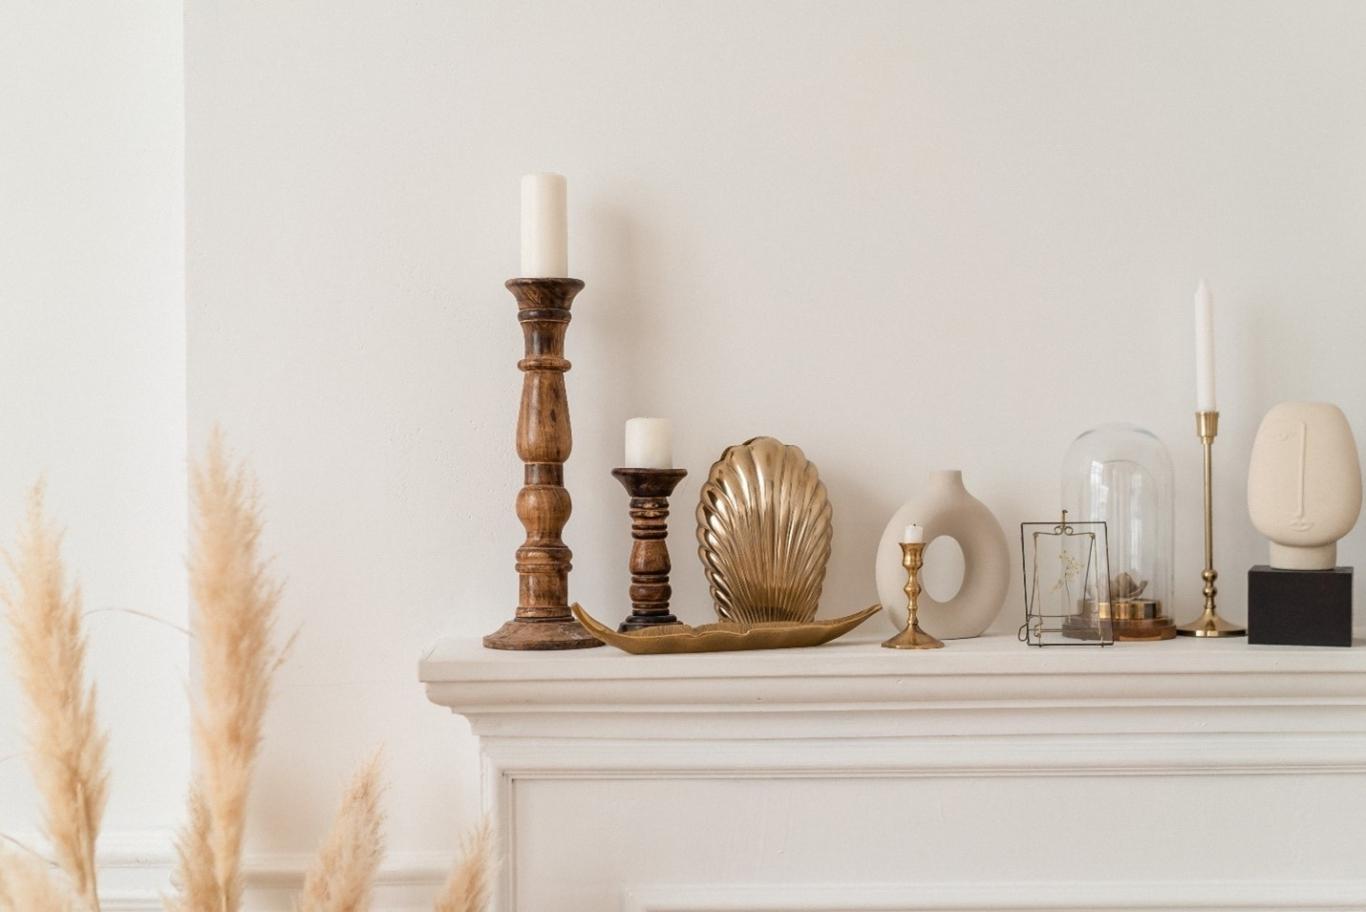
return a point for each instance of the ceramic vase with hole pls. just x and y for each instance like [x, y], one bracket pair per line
[945, 508]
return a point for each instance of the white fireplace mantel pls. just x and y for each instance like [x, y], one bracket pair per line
[987, 775]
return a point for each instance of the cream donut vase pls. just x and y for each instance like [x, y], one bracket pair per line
[945, 508]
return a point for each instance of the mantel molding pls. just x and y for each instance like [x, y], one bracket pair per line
[1036, 896]
[852, 722]
[987, 686]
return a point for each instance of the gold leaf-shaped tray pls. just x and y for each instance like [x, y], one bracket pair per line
[724, 636]
[763, 533]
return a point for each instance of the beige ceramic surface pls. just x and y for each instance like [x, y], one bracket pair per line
[763, 533]
[1304, 483]
[945, 507]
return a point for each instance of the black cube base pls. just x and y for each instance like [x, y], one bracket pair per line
[1299, 607]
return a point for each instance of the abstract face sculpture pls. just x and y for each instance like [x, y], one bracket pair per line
[1304, 484]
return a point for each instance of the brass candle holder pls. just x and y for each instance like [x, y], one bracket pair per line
[649, 563]
[544, 439]
[913, 558]
[1209, 623]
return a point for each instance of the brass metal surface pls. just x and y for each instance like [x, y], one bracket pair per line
[1130, 619]
[1084, 627]
[1209, 623]
[1127, 609]
[1159, 628]
[763, 532]
[723, 636]
[913, 558]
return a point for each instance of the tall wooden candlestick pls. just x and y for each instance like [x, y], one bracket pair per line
[649, 565]
[544, 439]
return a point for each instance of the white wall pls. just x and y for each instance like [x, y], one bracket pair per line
[902, 235]
[92, 369]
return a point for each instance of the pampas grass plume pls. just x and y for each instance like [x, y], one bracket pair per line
[27, 885]
[467, 889]
[68, 748]
[235, 601]
[195, 878]
[343, 876]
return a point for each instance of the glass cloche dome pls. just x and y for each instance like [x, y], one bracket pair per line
[1121, 475]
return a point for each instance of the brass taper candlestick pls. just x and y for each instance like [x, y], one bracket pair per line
[1209, 623]
[912, 558]
[649, 565]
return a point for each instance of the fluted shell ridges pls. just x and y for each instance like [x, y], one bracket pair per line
[763, 532]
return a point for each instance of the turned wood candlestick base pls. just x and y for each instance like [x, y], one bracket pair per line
[544, 439]
[649, 564]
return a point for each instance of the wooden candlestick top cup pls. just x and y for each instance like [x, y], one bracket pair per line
[649, 563]
[544, 439]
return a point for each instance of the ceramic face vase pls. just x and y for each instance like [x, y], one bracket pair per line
[1304, 483]
[945, 507]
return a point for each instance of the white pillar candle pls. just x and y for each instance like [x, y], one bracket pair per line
[649, 443]
[545, 227]
[914, 534]
[1204, 349]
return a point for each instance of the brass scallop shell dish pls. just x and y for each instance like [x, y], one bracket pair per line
[763, 533]
[723, 636]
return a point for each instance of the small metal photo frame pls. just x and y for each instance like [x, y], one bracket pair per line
[1066, 577]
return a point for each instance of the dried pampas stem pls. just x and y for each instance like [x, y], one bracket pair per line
[343, 877]
[235, 601]
[27, 885]
[467, 889]
[28, 850]
[195, 879]
[142, 614]
[68, 754]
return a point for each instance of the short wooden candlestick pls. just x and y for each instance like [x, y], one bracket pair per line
[544, 439]
[650, 590]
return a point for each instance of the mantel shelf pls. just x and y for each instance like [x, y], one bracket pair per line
[994, 680]
[464, 659]
[1086, 746]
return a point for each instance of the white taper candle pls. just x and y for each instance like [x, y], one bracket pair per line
[649, 443]
[545, 227]
[1204, 349]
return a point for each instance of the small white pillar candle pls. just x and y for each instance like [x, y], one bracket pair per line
[914, 534]
[1204, 349]
[649, 443]
[545, 227]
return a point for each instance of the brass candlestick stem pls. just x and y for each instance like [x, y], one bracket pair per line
[1209, 623]
[649, 564]
[913, 558]
[544, 439]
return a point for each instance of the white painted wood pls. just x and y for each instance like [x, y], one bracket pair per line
[687, 784]
[1160, 896]
[136, 867]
